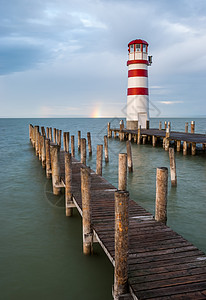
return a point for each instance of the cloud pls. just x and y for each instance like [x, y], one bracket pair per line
[170, 102]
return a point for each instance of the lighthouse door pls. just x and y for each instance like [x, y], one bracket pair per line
[142, 120]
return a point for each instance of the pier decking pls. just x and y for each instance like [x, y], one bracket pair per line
[161, 263]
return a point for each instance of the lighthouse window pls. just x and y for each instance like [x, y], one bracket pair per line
[144, 48]
[131, 48]
[138, 47]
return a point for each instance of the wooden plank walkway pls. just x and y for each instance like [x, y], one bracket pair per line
[161, 263]
[174, 135]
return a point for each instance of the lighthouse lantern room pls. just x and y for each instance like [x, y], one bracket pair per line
[137, 92]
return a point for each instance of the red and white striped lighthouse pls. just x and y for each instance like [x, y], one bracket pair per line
[137, 92]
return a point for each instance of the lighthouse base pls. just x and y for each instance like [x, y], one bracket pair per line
[132, 125]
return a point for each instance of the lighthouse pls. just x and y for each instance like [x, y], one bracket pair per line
[137, 92]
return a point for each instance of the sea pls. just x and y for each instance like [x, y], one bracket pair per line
[41, 249]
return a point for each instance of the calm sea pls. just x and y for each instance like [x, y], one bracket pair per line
[41, 250]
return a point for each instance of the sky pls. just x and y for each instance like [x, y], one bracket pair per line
[62, 58]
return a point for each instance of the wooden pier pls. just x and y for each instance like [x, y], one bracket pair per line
[180, 140]
[160, 263]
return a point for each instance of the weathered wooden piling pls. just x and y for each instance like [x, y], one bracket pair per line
[89, 143]
[37, 139]
[86, 211]
[186, 127]
[67, 141]
[55, 165]
[40, 145]
[99, 160]
[160, 125]
[173, 173]
[144, 138]
[54, 135]
[106, 153]
[43, 133]
[121, 244]
[72, 146]
[64, 141]
[79, 140]
[109, 133]
[184, 148]
[129, 157]
[161, 195]
[192, 126]
[139, 135]
[169, 126]
[50, 134]
[154, 139]
[193, 149]
[59, 137]
[48, 158]
[47, 132]
[122, 172]
[178, 146]
[83, 151]
[43, 152]
[129, 137]
[165, 125]
[68, 185]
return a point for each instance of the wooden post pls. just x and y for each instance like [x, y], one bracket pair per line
[169, 126]
[135, 138]
[99, 160]
[122, 178]
[165, 125]
[106, 154]
[161, 195]
[129, 157]
[193, 149]
[37, 140]
[47, 132]
[55, 150]
[50, 134]
[79, 141]
[115, 134]
[154, 141]
[139, 136]
[178, 146]
[121, 244]
[108, 130]
[83, 151]
[173, 173]
[64, 141]
[67, 142]
[43, 152]
[86, 211]
[192, 126]
[72, 146]
[184, 148]
[147, 124]
[43, 133]
[54, 135]
[186, 127]
[160, 125]
[130, 137]
[68, 185]
[144, 138]
[48, 158]
[57, 136]
[39, 144]
[89, 143]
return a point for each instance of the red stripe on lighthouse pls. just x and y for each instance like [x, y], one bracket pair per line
[137, 73]
[137, 91]
[137, 61]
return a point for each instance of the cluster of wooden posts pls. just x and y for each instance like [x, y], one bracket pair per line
[151, 137]
[47, 148]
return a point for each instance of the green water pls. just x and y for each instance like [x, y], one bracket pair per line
[41, 250]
